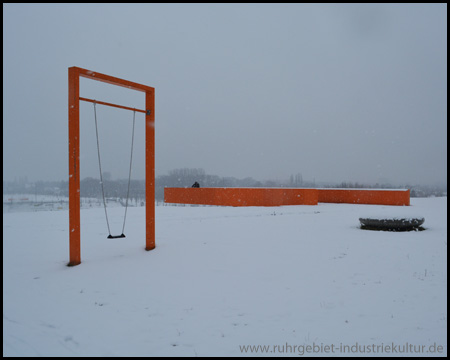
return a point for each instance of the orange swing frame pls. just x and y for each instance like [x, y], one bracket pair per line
[74, 157]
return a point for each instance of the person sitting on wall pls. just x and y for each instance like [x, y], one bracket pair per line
[196, 185]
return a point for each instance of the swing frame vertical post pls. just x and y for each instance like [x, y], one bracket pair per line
[74, 155]
[74, 173]
[150, 170]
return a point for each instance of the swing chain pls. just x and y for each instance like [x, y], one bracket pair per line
[129, 174]
[101, 176]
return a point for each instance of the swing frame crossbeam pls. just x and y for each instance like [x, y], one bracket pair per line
[113, 105]
[74, 154]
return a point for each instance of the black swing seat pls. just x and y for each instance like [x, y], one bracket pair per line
[116, 236]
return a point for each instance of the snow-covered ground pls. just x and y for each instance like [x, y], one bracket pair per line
[293, 278]
[28, 202]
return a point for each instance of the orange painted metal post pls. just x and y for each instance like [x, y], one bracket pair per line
[150, 170]
[74, 168]
[74, 151]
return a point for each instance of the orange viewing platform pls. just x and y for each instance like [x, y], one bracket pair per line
[283, 196]
[365, 196]
[241, 196]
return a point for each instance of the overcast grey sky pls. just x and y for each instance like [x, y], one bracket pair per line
[334, 92]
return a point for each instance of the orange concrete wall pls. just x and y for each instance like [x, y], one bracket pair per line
[241, 196]
[361, 196]
[284, 196]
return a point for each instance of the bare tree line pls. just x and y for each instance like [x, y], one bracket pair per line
[185, 177]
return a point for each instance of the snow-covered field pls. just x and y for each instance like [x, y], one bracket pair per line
[221, 279]
[28, 202]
